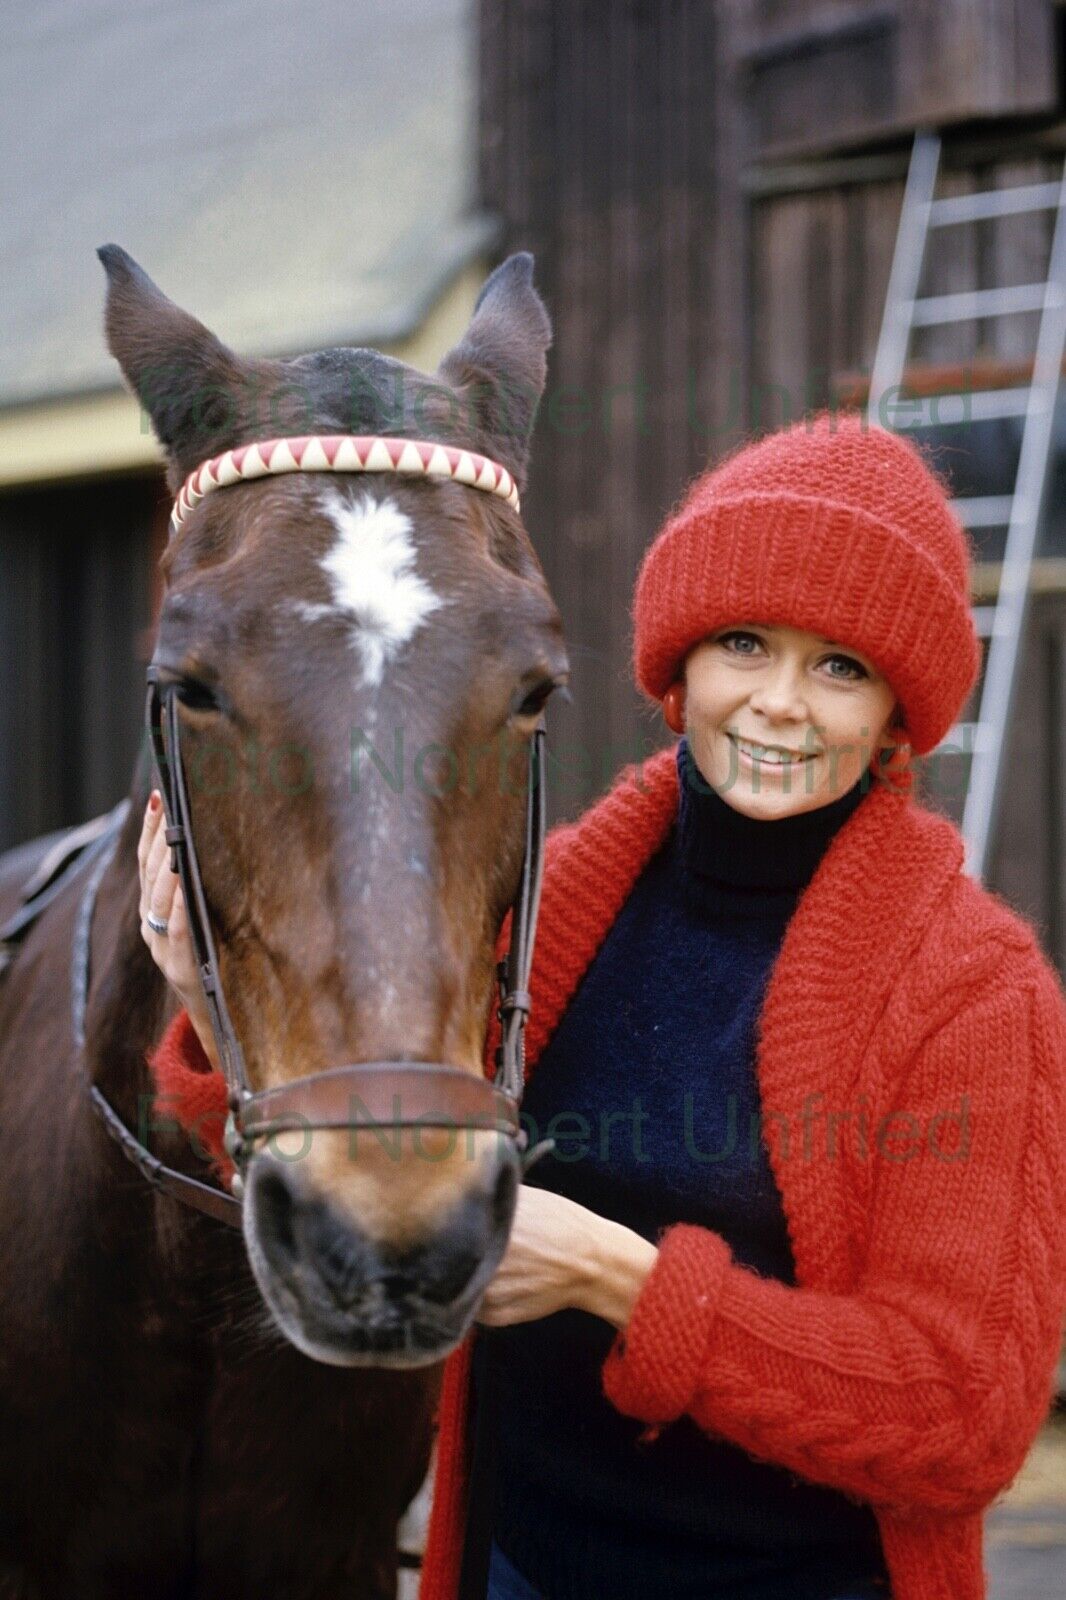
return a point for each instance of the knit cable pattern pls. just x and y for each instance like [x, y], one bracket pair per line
[926, 1385]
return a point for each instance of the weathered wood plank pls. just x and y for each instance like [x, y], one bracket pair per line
[830, 76]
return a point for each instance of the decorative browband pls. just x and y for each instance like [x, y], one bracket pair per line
[343, 452]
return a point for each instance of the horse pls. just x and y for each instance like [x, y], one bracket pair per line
[190, 1410]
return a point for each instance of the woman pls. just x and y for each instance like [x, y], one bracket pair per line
[780, 1312]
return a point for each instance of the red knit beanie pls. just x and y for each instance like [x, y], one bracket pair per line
[831, 526]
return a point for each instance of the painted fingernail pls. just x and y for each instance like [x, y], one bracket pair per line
[153, 800]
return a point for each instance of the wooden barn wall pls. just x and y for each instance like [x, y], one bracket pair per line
[1028, 865]
[821, 261]
[820, 75]
[608, 145]
[76, 597]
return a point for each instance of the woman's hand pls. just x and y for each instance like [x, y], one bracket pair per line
[161, 894]
[560, 1255]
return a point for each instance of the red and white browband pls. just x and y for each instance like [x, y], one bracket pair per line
[343, 452]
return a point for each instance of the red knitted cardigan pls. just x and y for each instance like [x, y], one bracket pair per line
[912, 1364]
[911, 1058]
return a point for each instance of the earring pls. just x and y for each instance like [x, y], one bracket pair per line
[674, 707]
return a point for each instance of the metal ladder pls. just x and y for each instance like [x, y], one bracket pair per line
[1002, 624]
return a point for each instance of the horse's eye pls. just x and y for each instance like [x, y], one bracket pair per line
[197, 696]
[537, 699]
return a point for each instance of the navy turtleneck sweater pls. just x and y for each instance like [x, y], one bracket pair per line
[649, 1087]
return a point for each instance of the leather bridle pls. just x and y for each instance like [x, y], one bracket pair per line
[390, 1094]
[365, 1094]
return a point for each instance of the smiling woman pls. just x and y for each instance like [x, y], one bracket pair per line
[791, 1327]
[778, 721]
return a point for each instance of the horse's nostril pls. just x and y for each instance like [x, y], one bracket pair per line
[275, 1207]
[301, 1234]
[475, 1231]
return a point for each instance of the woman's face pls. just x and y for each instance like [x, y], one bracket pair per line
[753, 691]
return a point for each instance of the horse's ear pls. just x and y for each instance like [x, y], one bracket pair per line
[188, 382]
[500, 364]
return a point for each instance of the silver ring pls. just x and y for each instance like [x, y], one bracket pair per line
[157, 924]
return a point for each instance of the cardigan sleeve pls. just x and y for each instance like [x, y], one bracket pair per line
[924, 1387]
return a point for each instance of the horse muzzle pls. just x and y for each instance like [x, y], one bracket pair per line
[348, 1299]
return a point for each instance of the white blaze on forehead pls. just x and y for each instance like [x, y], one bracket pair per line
[371, 570]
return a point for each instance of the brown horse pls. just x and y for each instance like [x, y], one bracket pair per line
[164, 1431]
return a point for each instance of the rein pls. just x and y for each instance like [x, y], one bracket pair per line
[379, 1094]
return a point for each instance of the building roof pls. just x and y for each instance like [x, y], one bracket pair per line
[297, 176]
